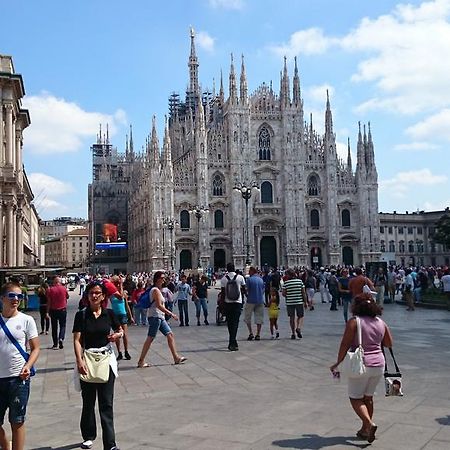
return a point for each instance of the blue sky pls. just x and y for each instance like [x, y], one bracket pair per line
[87, 62]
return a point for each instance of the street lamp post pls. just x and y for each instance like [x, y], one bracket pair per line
[169, 223]
[246, 191]
[199, 211]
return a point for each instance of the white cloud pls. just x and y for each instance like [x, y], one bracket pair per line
[205, 41]
[436, 205]
[434, 127]
[416, 147]
[403, 182]
[404, 55]
[318, 93]
[227, 4]
[308, 42]
[59, 126]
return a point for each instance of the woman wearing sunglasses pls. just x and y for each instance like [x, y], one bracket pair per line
[16, 329]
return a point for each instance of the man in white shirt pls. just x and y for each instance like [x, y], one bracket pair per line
[232, 289]
[15, 371]
[446, 283]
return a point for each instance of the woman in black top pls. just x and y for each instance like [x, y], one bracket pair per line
[45, 320]
[92, 329]
[200, 297]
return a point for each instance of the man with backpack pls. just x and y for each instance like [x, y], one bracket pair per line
[232, 290]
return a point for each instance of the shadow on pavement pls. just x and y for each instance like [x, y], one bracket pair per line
[316, 442]
[54, 369]
[443, 420]
[66, 447]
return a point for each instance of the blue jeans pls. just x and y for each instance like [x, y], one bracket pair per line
[200, 304]
[140, 315]
[14, 394]
[58, 316]
[345, 303]
[184, 312]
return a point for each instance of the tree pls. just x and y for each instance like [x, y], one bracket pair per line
[442, 231]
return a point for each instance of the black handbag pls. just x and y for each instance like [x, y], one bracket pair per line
[392, 380]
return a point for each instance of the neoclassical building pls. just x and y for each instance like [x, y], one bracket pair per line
[310, 207]
[19, 221]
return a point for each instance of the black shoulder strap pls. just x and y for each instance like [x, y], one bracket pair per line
[227, 277]
[393, 358]
[235, 277]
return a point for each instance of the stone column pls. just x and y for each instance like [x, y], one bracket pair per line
[10, 231]
[1, 234]
[9, 133]
[19, 238]
[2, 131]
[18, 148]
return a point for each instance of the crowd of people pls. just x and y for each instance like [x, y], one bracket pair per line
[109, 304]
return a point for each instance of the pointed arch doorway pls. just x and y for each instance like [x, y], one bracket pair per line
[268, 251]
[219, 259]
[185, 259]
[316, 257]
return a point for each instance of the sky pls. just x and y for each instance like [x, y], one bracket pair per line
[91, 62]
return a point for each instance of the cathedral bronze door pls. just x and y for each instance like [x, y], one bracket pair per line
[219, 259]
[316, 257]
[185, 259]
[347, 256]
[268, 251]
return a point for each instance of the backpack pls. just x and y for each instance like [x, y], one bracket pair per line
[232, 289]
[144, 301]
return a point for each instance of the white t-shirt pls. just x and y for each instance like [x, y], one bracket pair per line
[240, 281]
[23, 328]
[446, 283]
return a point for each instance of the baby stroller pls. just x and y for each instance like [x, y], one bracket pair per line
[220, 309]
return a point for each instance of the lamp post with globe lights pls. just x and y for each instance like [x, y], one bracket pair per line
[199, 211]
[246, 191]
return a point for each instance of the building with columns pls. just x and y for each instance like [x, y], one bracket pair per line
[19, 231]
[311, 208]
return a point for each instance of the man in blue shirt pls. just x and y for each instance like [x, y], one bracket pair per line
[184, 291]
[255, 303]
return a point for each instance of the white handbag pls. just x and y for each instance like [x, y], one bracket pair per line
[353, 365]
[97, 364]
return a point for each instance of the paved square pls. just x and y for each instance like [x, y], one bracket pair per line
[269, 394]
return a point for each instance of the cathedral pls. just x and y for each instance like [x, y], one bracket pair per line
[241, 178]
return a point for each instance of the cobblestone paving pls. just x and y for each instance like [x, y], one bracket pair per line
[269, 394]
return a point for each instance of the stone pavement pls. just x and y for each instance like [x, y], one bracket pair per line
[268, 395]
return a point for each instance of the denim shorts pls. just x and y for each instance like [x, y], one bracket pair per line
[155, 324]
[122, 318]
[14, 394]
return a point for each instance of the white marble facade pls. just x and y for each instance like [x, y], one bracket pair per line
[312, 208]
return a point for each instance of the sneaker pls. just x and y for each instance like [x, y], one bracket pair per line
[206, 322]
[257, 337]
[272, 337]
[115, 448]
[311, 308]
[198, 323]
[119, 356]
[250, 337]
[292, 336]
[55, 347]
[277, 336]
[127, 356]
[181, 324]
[87, 444]
[233, 348]
[61, 345]
[299, 333]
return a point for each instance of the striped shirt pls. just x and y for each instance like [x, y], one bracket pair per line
[294, 291]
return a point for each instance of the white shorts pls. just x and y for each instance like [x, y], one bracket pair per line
[310, 293]
[366, 384]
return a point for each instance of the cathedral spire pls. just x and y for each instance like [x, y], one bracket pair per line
[232, 84]
[131, 139]
[370, 156]
[200, 117]
[126, 145]
[154, 142]
[193, 66]
[328, 118]
[243, 86]
[296, 94]
[284, 89]
[221, 92]
[107, 133]
[349, 157]
[360, 153]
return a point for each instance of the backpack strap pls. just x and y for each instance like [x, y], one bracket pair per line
[234, 279]
[227, 277]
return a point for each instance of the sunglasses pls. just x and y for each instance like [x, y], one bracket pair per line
[14, 296]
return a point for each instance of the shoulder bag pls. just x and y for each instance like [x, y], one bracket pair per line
[353, 365]
[96, 360]
[392, 380]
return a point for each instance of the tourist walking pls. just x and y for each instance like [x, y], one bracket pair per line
[157, 322]
[92, 331]
[295, 294]
[344, 290]
[184, 291]
[375, 334]
[408, 295]
[42, 295]
[200, 297]
[255, 303]
[57, 296]
[310, 286]
[274, 310]
[380, 281]
[232, 289]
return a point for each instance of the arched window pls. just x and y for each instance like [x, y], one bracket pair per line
[218, 185]
[345, 218]
[411, 246]
[185, 220]
[218, 219]
[266, 192]
[382, 246]
[401, 246]
[392, 246]
[315, 218]
[313, 185]
[264, 144]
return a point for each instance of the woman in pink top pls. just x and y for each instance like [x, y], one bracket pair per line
[375, 333]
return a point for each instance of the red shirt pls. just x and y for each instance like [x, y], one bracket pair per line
[57, 297]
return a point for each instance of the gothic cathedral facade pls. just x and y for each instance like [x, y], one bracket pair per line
[246, 179]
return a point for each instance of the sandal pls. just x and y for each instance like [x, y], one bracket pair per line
[181, 360]
[371, 435]
[143, 366]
